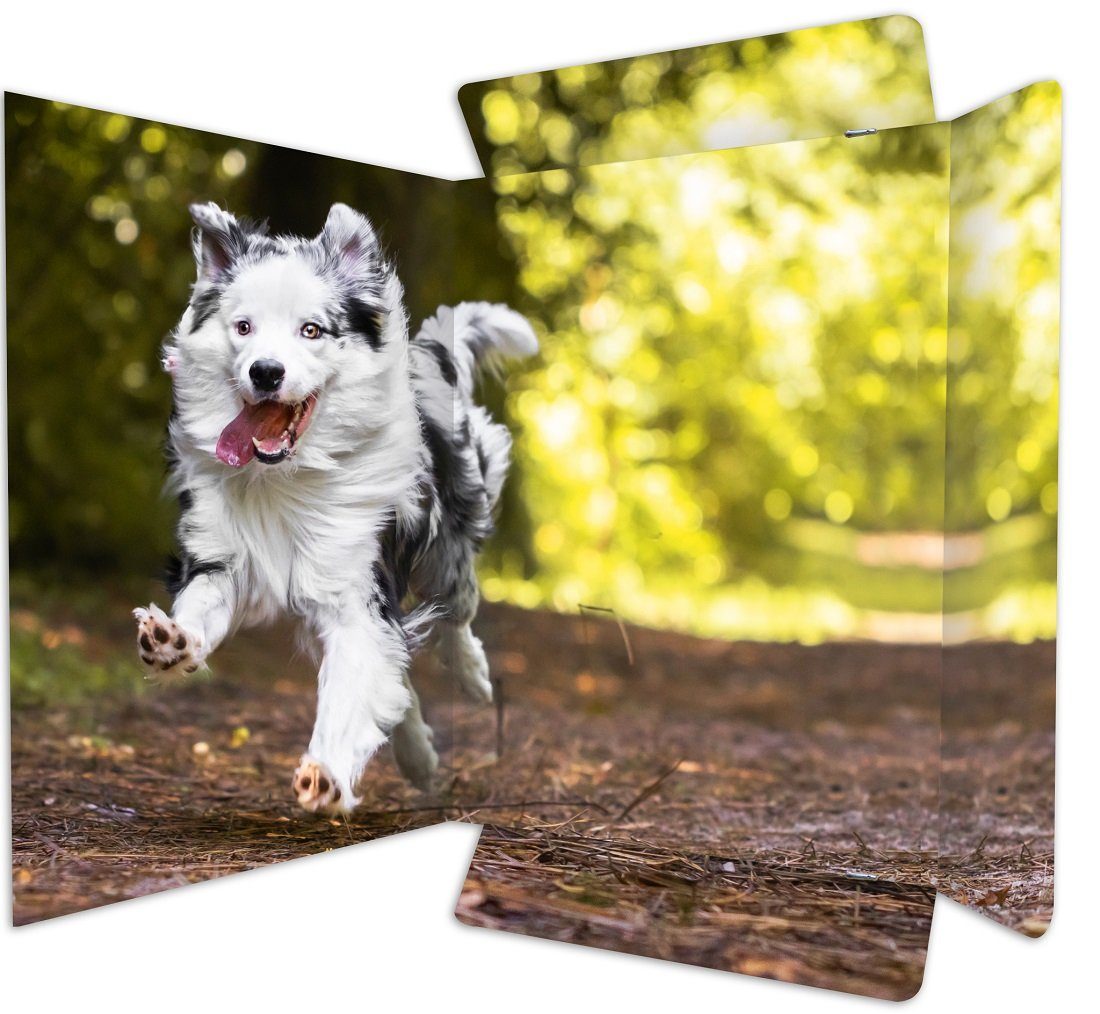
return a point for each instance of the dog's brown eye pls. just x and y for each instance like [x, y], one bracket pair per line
[244, 327]
[311, 330]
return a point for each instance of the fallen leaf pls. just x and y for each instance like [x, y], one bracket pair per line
[473, 898]
[1034, 927]
[783, 969]
[241, 735]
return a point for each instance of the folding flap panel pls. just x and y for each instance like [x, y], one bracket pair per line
[1000, 605]
[732, 440]
[792, 85]
[280, 514]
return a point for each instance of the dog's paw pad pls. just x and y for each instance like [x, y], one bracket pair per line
[164, 647]
[317, 790]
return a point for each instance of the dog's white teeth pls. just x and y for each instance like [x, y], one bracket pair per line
[284, 445]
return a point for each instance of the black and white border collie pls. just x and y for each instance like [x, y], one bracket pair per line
[330, 468]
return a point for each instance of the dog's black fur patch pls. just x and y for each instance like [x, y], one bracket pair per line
[364, 321]
[462, 496]
[390, 584]
[181, 570]
[446, 364]
[205, 305]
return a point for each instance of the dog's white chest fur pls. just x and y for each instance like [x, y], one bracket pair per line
[306, 540]
[295, 547]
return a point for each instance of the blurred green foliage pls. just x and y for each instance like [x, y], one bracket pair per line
[99, 268]
[59, 658]
[738, 423]
[1002, 438]
[813, 82]
[63, 676]
[97, 273]
[744, 356]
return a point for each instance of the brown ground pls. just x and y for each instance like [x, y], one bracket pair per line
[770, 809]
[788, 922]
[997, 782]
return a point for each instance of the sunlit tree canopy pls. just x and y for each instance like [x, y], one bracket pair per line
[743, 375]
[738, 423]
[808, 83]
[1002, 446]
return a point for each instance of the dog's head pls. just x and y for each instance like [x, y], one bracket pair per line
[283, 335]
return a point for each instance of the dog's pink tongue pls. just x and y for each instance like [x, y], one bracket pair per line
[264, 421]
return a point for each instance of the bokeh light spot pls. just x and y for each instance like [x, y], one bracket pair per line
[126, 231]
[1048, 498]
[804, 460]
[998, 504]
[777, 504]
[234, 162]
[838, 506]
[154, 139]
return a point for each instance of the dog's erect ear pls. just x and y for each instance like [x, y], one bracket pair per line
[218, 241]
[350, 240]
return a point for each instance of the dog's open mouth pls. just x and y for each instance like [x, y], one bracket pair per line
[268, 431]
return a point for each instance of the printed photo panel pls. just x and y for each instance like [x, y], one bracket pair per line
[1000, 561]
[122, 786]
[812, 82]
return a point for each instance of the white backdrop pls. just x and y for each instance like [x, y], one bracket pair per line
[371, 926]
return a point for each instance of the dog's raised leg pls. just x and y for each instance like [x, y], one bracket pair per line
[361, 694]
[464, 657]
[458, 648]
[412, 744]
[177, 645]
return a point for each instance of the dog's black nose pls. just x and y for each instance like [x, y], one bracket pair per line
[267, 374]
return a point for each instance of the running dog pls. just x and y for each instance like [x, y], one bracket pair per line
[331, 469]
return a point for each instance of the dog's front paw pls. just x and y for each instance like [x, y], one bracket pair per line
[318, 791]
[165, 648]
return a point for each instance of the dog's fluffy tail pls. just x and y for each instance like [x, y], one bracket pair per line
[489, 332]
[447, 353]
[479, 336]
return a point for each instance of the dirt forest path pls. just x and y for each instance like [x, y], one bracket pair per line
[790, 922]
[778, 795]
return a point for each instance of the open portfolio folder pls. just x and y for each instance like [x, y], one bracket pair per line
[768, 609]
